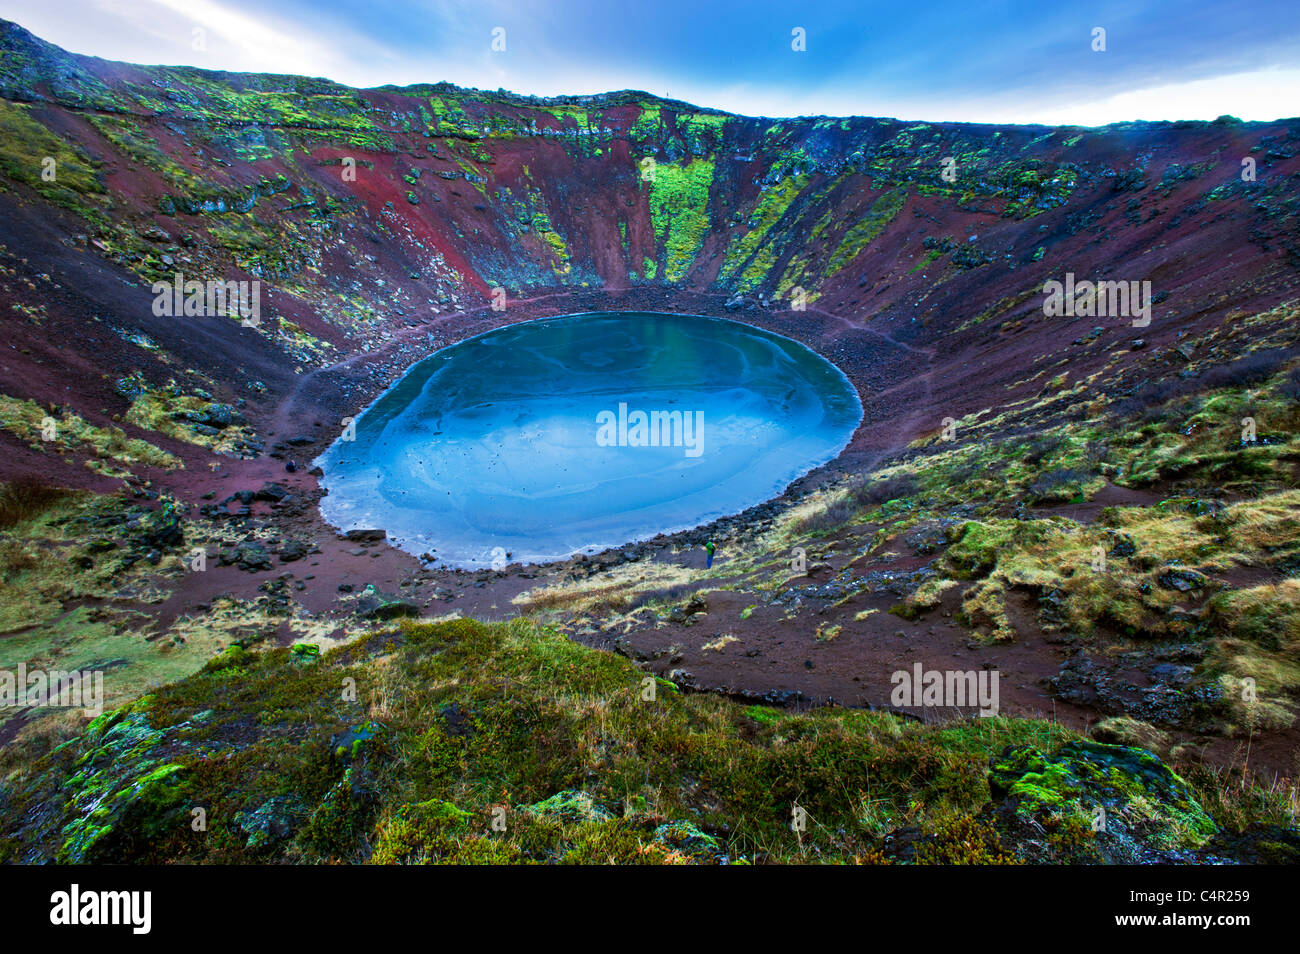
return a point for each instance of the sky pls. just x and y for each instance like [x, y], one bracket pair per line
[1003, 61]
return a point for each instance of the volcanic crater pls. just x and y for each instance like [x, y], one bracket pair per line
[999, 447]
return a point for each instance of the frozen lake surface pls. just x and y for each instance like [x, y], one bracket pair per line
[579, 433]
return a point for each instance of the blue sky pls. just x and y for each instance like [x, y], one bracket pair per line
[1009, 61]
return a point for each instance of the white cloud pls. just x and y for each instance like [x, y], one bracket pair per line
[254, 42]
[162, 31]
[1258, 95]
[457, 49]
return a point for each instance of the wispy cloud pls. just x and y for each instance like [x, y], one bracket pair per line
[210, 34]
[1017, 61]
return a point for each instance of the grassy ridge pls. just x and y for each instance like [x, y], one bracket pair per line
[407, 746]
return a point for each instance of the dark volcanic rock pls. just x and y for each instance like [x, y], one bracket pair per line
[1173, 695]
[1184, 581]
[292, 550]
[159, 529]
[932, 535]
[274, 820]
[375, 604]
[685, 614]
[359, 536]
[223, 416]
[1137, 810]
[247, 556]
[271, 491]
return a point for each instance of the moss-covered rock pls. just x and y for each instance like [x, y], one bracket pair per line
[348, 746]
[1118, 801]
[375, 604]
[122, 795]
[684, 837]
[570, 805]
[274, 820]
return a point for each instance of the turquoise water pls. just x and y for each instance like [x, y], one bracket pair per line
[527, 440]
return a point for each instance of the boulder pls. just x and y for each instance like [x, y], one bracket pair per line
[223, 416]
[272, 821]
[570, 805]
[1184, 581]
[1135, 808]
[247, 556]
[365, 536]
[292, 550]
[271, 491]
[375, 604]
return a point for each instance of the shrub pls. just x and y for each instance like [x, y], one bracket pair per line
[1056, 485]
[1290, 387]
[1248, 371]
[831, 517]
[866, 492]
[25, 498]
[1038, 449]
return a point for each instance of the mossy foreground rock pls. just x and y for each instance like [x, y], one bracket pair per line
[272, 821]
[690, 841]
[571, 806]
[1134, 808]
[473, 743]
[121, 792]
